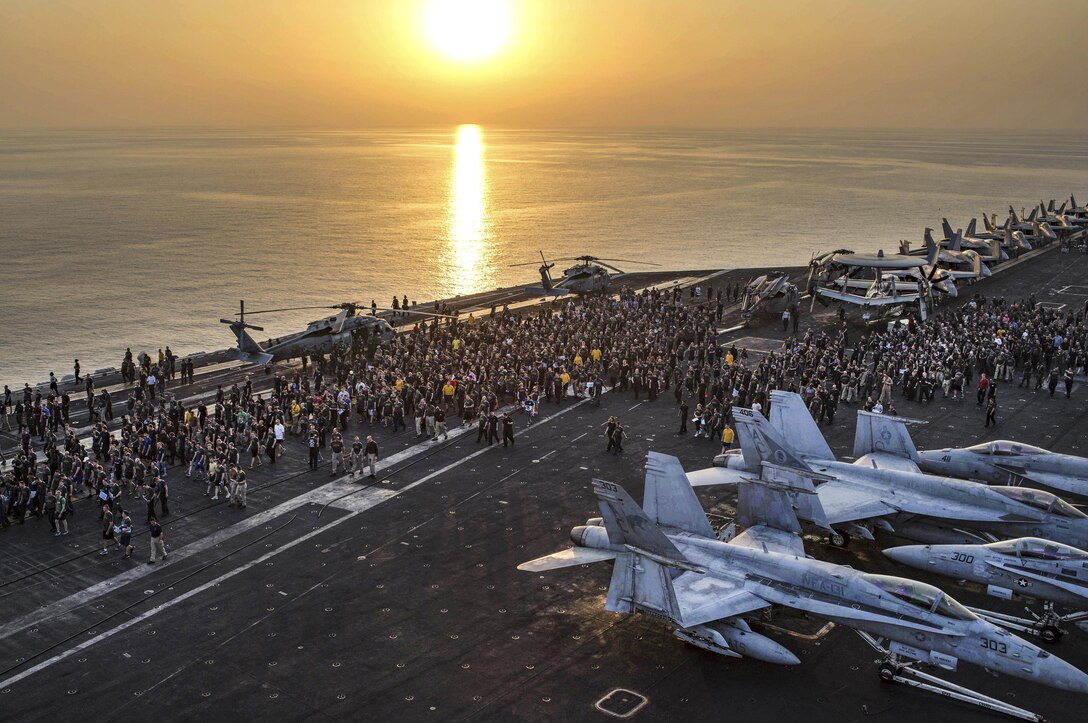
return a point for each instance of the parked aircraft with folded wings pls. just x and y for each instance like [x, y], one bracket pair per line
[1003, 461]
[1026, 567]
[884, 490]
[670, 566]
[878, 284]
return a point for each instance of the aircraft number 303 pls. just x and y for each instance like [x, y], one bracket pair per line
[995, 645]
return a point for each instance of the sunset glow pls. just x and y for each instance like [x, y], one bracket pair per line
[468, 30]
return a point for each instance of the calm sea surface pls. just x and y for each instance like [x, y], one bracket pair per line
[143, 239]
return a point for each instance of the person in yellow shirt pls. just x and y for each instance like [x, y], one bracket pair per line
[577, 360]
[595, 354]
[729, 359]
[727, 438]
[565, 378]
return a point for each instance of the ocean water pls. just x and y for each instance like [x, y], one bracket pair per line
[143, 239]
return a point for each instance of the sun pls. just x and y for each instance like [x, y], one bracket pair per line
[468, 30]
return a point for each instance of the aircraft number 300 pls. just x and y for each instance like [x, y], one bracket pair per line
[961, 557]
[995, 645]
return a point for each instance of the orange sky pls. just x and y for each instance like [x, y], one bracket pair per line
[702, 63]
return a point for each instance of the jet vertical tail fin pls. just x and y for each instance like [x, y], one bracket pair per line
[971, 229]
[946, 227]
[932, 251]
[760, 442]
[669, 499]
[976, 264]
[627, 524]
[879, 433]
[794, 422]
[956, 242]
[642, 577]
[780, 498]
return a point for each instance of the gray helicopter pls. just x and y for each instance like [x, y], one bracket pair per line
[590, 275]
[320, 336]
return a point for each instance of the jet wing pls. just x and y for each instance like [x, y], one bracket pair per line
[704, 598]
[1067, 483]
[847, 503]
[844, 502]
[884, 460]
[715, 476]
[567, 558]
[769, 539]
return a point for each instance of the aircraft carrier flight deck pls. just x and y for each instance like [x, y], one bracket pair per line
[399, 598]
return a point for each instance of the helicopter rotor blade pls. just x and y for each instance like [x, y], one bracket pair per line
[610, 267]
[291, 308]
[629, 261]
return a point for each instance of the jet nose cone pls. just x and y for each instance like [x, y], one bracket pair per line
[1057, 673]
[912, 555]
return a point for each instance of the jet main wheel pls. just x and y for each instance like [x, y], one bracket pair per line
[887, 672]
[838, 538]
[1051, 633]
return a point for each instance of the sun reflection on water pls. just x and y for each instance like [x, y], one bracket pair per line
[468, 262]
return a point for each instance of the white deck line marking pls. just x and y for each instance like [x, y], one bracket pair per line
[318, 495]
[378, 495]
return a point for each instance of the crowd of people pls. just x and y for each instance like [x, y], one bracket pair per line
[978, 346]
[487, 372]
[462, 371]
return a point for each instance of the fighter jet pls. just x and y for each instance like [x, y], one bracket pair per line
[959, 263]
[1024, 567]
[670, 566]
[883, 489]
[1075, 210]
[988, 247]
[1006, 462]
